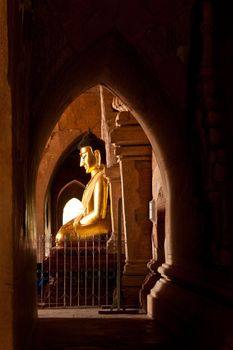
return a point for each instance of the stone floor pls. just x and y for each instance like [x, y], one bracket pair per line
[86, 329]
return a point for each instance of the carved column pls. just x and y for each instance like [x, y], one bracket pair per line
[157, 217]
[193, 281]
[134, 156]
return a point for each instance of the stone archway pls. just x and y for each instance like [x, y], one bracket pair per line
[118, 67]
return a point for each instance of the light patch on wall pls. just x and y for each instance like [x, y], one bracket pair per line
[73, 208]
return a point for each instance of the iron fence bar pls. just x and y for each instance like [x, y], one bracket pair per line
[38, 272]
[49, 279]
[71, 272]
[119, 256]
[78, 284]
[99, 271]
[42, 282]
[64, 274]
[106, 270]
[85, 274]
[57, 278]
[93, 271]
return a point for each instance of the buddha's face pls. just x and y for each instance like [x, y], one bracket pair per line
[88, 159]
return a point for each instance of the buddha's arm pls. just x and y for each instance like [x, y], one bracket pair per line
[98, 198]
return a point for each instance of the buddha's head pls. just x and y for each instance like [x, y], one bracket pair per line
[92, 152]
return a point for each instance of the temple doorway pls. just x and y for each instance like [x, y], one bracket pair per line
[84, 273]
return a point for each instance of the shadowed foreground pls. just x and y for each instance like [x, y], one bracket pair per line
[100, 332]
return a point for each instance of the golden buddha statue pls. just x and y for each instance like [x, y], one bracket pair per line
[95, 217]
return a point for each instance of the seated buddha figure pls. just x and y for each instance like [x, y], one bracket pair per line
[95, 217]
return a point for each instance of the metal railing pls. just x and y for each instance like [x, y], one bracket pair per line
[82, 273]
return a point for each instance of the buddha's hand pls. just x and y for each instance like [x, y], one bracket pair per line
[59, 239]
[77, 220]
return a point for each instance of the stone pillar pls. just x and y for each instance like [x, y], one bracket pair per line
[112, 170]
[157, 217]
[134, 156]
[192, 296]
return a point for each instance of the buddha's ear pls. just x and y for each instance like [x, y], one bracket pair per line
[97, 157]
